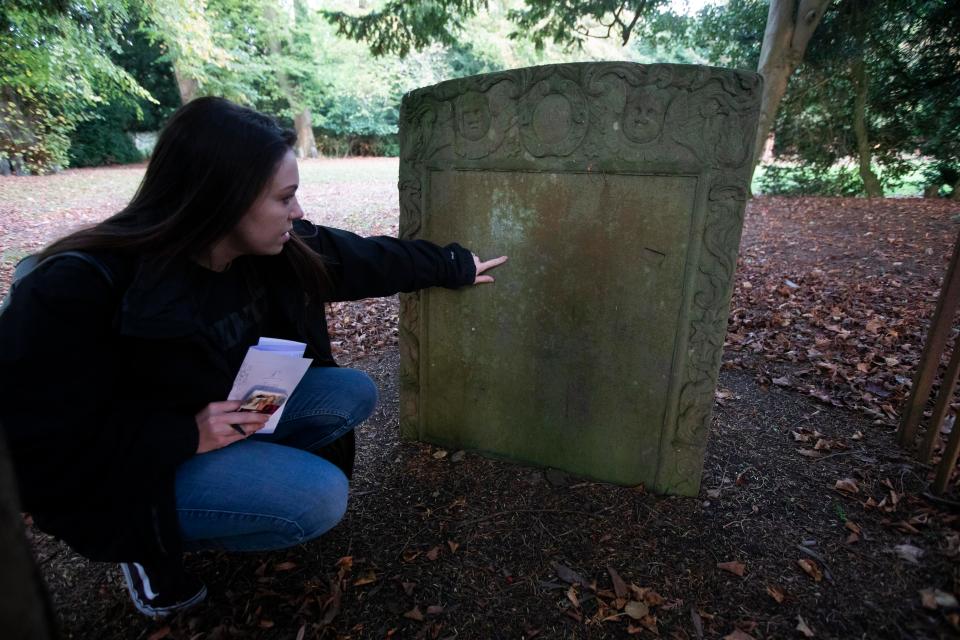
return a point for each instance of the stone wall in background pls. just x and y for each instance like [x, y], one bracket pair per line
[618, 192]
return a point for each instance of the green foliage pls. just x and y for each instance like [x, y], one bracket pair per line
[55, 66]
[104, 140]
[570, 24]
[909, 51]
[401, 26]
[807, 180]
[729, 35]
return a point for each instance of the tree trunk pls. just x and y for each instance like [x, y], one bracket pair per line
[306, 144]
[932, 191]
[188, 86]
[871, 183]
[25, 610]
[956, 190]
[790, 25]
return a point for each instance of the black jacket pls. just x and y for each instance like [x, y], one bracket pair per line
[100, 383]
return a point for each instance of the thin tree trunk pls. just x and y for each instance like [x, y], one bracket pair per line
[188, 86]
[871, 183]
[306, 144]
[25, 610]
[956, 190]
[790, 25]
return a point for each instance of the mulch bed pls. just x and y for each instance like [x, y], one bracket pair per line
[810, 522]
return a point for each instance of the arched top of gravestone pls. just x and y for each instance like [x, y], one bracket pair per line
[600, 115]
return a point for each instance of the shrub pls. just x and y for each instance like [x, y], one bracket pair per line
[802, 180]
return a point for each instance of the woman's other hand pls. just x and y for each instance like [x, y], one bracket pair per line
[215, 424]
[484, 266]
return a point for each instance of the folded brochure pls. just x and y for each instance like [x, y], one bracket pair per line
[270, 372]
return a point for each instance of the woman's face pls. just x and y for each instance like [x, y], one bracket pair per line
[265, 228]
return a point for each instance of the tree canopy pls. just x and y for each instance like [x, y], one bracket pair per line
[872, 85]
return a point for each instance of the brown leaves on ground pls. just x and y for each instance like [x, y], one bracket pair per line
[811, 568]
[776, 593]
[833, 295]
[734, 567]
[847, 485]
[631, 603]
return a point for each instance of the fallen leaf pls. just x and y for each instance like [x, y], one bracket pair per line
[857, 436]
[653, 598]
[408, 587]
[368, 578]
[909, 553]
[453, 546]
[782, 381]
[847, 485]
[266, 624]
[809, 453]
[776, 593]
[285, 566]
[650, 623]
[440, 455]
[736, 634]
[415, 614]
[803, 628]
[734, 567]
[636, 610]
[458, 456]
[934, 598]
[619, 586]
[853, 526]
[811, 568]
[162, 632]
[433, 554]
[572, 596]
[434, 610]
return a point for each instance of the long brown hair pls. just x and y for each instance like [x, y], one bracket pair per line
[211, 162]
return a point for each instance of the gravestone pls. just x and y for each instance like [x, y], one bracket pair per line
[618, 192]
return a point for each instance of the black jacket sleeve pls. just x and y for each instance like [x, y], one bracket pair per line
[77, 437]
[382, 265]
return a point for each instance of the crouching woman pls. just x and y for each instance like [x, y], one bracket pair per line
[123, 343]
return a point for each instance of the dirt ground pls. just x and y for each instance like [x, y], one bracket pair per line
[810, 521]
[479, 548]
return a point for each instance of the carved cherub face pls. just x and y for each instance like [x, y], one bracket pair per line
[643, 117]
[712, 107]
[473, 115]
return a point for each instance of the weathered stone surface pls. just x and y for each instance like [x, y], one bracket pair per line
[618, 191]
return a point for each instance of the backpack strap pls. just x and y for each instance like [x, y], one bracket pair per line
[30, 263]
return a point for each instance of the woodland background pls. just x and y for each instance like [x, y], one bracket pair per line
[862, 97]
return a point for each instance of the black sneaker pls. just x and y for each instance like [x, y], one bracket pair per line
[160, 593]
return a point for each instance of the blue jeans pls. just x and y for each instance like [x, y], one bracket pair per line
[268, 491]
